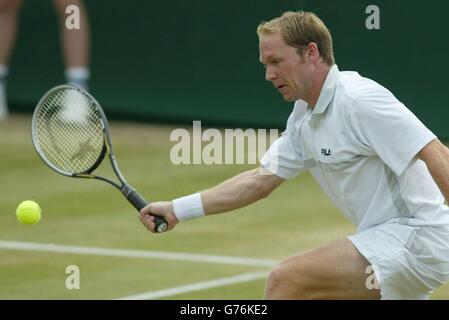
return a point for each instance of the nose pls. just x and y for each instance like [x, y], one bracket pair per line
[270, 74]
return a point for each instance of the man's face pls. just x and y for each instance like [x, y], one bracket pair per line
[285, 68]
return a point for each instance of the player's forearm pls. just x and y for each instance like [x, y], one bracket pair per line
[237, 192]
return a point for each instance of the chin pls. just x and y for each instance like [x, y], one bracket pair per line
[289, 99]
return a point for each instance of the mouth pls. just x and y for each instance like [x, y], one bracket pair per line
[281, 87]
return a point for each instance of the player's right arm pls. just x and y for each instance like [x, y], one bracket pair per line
[236, 192]
[239, 191]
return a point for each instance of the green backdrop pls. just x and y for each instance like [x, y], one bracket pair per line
[180, 60]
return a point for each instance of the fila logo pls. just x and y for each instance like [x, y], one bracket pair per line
[326, 152]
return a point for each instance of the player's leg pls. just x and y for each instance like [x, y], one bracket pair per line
[335, 271]
[75, 43]
[9, 10]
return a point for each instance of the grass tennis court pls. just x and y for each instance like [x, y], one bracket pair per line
[85, 214]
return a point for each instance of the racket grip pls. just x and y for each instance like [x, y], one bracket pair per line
[139, 203]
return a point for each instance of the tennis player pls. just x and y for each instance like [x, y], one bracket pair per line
[385, 171]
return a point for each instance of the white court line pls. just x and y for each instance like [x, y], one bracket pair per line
[48, 247]
[246, 277]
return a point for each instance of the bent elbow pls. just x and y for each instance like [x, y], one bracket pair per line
[264, 185]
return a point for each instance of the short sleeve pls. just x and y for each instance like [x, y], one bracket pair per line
[390, 129]
[281, 158]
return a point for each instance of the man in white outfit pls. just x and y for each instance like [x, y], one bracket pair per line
[385, 171]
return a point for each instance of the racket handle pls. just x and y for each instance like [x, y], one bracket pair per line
[139, 203]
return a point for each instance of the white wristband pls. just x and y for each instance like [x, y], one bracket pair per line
[188, 207]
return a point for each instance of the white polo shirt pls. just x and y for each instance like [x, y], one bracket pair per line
[360, 143]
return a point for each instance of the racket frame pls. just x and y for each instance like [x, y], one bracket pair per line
[130, 193]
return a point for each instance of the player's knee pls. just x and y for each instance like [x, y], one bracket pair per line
[10, 6]
[283, 284]
[275, 281]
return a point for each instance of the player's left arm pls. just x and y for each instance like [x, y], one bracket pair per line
[436, 157]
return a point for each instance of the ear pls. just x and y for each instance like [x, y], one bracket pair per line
[312, 51]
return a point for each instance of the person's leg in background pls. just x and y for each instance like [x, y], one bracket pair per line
[9, 10]
[75, 44]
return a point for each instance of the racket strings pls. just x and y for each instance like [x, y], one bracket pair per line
[69, 131]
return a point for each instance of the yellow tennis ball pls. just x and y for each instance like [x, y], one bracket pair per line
[28, 212]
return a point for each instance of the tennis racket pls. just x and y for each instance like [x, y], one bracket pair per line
[71, 135]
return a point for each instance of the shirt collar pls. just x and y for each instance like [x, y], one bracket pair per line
[327, 91]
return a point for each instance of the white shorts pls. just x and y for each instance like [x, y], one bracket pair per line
[409, 262]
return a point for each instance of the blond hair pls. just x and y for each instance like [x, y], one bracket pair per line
[298, 29]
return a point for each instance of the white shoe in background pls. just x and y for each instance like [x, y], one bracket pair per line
[4, 113]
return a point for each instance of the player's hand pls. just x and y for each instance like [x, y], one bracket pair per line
[160, 208]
